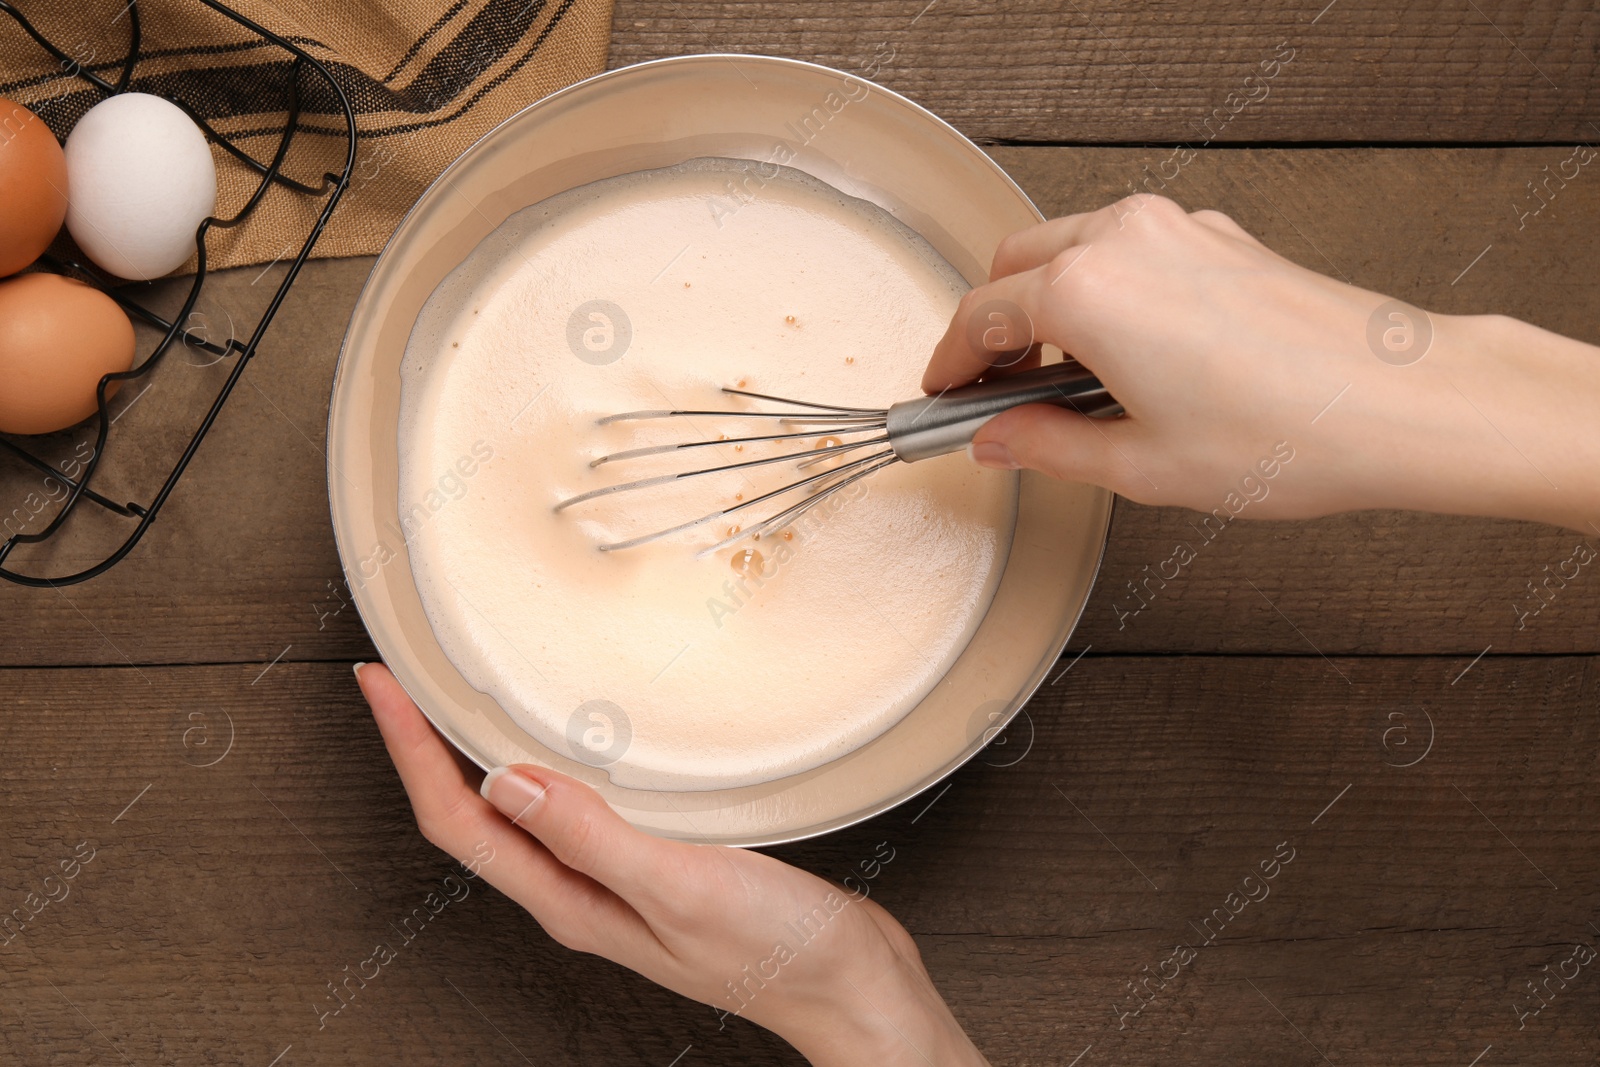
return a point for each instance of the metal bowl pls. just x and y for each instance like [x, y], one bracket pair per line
[858, 137]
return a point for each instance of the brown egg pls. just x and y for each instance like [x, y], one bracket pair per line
[33, 187]
[58, 337]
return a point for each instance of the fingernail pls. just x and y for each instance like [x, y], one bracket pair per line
[357, 670]
[512, 794]
[992, 454]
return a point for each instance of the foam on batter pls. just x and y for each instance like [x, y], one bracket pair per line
[655, 290]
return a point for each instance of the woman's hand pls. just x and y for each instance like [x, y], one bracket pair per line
[1229, 358]
[831, 972]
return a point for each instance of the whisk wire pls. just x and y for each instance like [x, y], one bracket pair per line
[663, 479]
[790, 515]
[880, 412]
[678, 446]
[865, 415]
[634, 542]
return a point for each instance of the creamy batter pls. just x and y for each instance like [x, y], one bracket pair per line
[655, 290]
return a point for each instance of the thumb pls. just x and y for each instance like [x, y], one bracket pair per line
[1054, 441]
[583, 832]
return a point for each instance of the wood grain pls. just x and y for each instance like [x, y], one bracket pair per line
[1074, 853]
[241, 566]
[1143, 70]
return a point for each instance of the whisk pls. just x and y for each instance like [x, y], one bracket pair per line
[909, 431]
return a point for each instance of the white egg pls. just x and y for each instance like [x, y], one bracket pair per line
[139, 181]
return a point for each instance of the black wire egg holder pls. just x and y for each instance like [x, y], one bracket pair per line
[333, 187]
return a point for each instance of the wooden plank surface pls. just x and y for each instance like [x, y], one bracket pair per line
[1132, 71]
[241, 861]
[241, 567]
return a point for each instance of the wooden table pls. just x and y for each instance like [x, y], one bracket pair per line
[1363, 693]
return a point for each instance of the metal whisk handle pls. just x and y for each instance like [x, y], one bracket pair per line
[935, 425]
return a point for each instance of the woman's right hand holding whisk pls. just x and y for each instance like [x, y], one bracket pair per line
[1225, 353]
